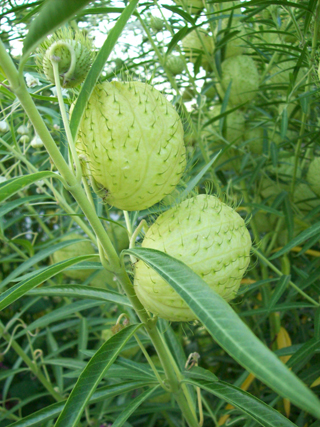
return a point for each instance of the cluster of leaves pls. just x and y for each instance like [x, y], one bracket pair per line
[56, 330]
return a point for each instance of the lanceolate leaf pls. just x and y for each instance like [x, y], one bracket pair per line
[133, 405]
[228, 330]
[18, 290]
[79, 291]
[35, 259]
[14, 185]
[98, 66]
[92, 375]
[50, 412]
[52, 15]
[262, 413]
[302, 237]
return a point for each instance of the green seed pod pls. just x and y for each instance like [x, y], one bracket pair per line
[209, 237]
[175, 64]
[118, 236]
[71, 251]
[73, 51]
[243, 73]
[191, 6]
[280, 74]
[156, 24]
[132, 140]
[254, 136]
[236, 45]
[313, 175]
[234, 124]
[304, 198]
[196, 44]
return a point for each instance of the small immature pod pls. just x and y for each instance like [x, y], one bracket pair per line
[72, 51]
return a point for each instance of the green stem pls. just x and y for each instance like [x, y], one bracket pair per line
[65, 120]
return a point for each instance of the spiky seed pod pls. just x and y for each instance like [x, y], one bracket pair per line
[254, 136]
[132, 140]
[156, 24]
[243, 73]
[23, 130]
[313, 175]
[236, 45]
[196, 43]
[4, 127]
[280, 75]
[175, 64]
[74, 54]
[71, 251]
[191, 6]
[209, 237]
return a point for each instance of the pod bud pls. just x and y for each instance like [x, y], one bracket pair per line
[72, 51]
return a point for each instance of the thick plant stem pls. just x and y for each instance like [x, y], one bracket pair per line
[31, 365]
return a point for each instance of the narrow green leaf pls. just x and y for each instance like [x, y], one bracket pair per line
[92, 375]
[228, 330]
[79, 291]
[133, 405]
[8, 207]
[18, 290]
[98, 66]
[302, 237]
[51, 16]
[279, 289]
[180, 12]
[259, 411]
[60, 313]
[12, 186]
[177, 37]
[35, 259]
[50, 412]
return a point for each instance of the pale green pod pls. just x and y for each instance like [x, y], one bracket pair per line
[175, 64]
[156, 24]
[71, 251]
[198, 43]
[131, 138]
[243, 73]
[313, 175]
[210, 238]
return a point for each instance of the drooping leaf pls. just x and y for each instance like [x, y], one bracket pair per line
[228, 330]
[92, 375]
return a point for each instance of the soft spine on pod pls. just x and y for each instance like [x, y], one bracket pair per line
[209, 237]
[131, 139]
